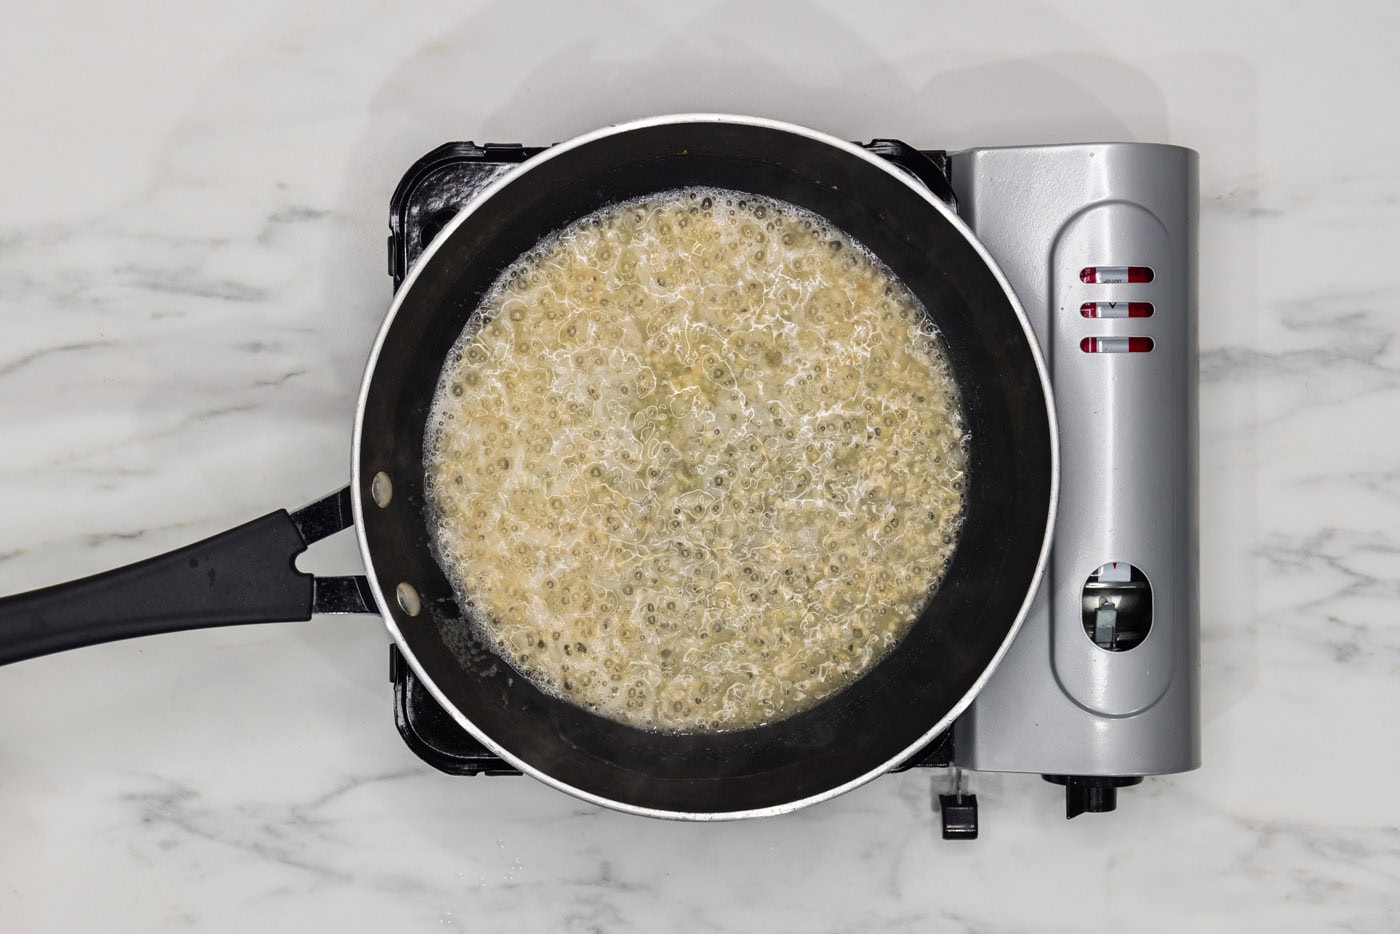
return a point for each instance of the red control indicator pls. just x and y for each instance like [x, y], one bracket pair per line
[1116, 309]
[1111, 275]
[1116, 344]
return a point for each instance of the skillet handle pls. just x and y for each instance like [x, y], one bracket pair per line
[245, 575]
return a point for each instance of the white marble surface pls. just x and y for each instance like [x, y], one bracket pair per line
[192, 210]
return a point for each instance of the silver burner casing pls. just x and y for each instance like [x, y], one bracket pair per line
[1059, 703]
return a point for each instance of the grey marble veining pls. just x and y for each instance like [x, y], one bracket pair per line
[192, 221]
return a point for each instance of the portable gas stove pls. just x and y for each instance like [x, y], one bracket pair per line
[1101, 686]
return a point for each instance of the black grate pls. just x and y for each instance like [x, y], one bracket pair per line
[430, 194]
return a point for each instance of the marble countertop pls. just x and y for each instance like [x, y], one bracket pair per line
[192, 219]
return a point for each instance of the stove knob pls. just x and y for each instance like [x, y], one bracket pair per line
[1096, 794]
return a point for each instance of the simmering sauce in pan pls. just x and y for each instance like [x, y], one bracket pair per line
[697, 462]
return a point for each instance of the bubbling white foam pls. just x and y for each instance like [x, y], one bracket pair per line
[697, 462]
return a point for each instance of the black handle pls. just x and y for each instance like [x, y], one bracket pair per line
[245, 575]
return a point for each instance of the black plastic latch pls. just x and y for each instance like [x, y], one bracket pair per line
[1096, 794]
[959, 815]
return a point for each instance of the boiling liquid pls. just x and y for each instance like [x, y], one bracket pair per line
[697, 462]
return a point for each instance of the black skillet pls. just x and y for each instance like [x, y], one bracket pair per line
[247, 575]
